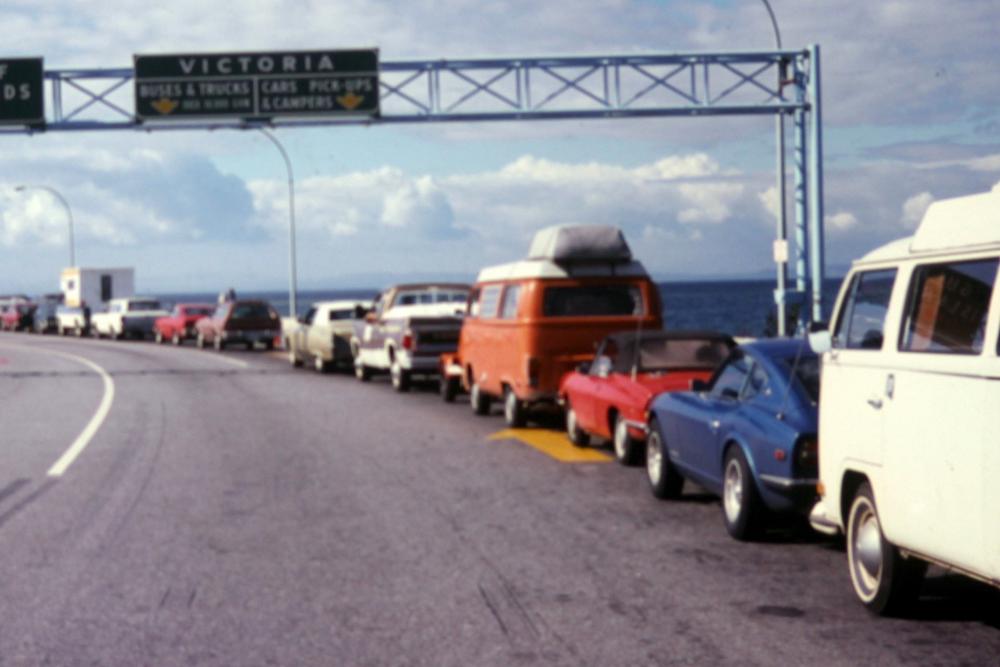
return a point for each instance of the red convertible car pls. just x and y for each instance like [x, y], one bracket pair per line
[610, 397]
[180, 323]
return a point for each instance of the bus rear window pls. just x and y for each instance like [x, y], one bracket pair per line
[593, 300]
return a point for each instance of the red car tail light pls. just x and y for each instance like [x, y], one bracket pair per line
[408, 340]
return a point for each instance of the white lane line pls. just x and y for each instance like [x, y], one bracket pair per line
[169, 351]
[88, 432]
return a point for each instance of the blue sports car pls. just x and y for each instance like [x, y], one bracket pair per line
[748, 435]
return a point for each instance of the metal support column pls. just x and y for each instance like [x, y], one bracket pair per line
[801, 196]
[815, 187]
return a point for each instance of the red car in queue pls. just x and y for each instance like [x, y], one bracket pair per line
[179, 325]
[609, 397]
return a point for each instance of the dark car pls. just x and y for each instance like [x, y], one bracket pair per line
[749, 435]
[45, 320]
[240, 322]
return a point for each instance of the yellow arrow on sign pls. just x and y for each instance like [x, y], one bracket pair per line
[553, 443]
[350, 101]
[165, 105]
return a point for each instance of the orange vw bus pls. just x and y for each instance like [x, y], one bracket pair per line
[529, 322]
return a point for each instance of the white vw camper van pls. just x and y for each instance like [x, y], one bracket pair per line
[909, 426]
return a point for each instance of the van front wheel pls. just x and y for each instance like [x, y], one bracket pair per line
[883, 580]
[479, 401]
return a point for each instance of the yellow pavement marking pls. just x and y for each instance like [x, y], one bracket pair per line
[553, 443]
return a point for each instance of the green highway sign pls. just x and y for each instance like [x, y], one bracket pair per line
[256, 85]
[22, 101]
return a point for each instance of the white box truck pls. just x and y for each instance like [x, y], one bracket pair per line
[95, 287]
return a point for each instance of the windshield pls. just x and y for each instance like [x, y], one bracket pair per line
[199, 310]
[143, 305]
[251, 311]
[431, 295]
[807, 373]
[593, 300]
[662, 355]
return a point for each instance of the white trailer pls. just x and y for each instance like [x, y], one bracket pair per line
[96, 287]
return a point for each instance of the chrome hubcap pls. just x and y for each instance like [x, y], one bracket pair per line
[571, 423]
[866, 550]
[653, 458]
[732, 496]
[621, 439]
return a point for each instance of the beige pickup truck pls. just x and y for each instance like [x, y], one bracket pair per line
[323, 335]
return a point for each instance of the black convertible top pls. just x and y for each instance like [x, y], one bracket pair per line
[666, 350]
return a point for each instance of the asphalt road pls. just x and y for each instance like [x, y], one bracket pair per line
[230, 510]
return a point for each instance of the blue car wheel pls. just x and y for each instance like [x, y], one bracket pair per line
[742, 509]
[664, 480]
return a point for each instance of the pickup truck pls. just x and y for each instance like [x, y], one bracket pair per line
[324, 334]
[129, 316]
[72, 320]
[408, 329]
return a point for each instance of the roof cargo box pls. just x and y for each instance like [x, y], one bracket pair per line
[580, 243]
[962, 222]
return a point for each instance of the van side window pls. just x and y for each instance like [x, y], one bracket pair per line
[861, 322]
[489, 300]
[947, 306]
[511, 295]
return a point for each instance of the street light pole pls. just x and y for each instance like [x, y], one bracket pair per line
[292, 286]
[69, 214]
[779, 129]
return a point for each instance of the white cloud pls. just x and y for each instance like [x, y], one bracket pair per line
[841, 221]
[420, 206]
[914, 209]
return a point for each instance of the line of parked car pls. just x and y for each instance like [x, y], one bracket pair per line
[899, 455]
[246, 322]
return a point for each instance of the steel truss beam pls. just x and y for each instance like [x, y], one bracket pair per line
[489, 89]
[516, 89]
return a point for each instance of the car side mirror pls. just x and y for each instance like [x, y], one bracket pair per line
[730, 393]
[303, 319]
[583, 367]
[820, 341]
[601, 366]
[699, 385]
[370, 318]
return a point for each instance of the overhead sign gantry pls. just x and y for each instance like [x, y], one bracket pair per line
[779, 82]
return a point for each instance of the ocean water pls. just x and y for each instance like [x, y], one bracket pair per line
[737, 307]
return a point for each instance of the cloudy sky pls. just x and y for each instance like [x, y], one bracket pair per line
[910, 115]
